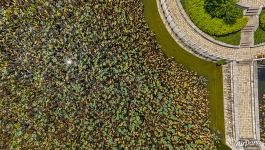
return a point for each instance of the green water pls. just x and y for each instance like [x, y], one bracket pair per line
[212, 72]
[261, 91]
[261, 81]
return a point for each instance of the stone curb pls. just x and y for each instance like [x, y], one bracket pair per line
[192, 25]
[194, 48]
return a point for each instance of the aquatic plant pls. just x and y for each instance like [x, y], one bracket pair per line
[90, 75]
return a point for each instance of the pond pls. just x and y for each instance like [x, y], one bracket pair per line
[261, 89]
[210, 70]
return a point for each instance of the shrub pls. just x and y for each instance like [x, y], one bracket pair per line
[232, 15]
[224, 9]
[207, 23]
[262, 20]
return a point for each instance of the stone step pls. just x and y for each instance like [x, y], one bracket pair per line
[245, 46]
[251, 13]
[245, 43]
[252, 9]
[248, 30]
[250, 26]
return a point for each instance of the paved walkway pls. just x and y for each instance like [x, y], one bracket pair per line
[175, 18]
[239, 98]
[247, 33]
[239, 103]
[252, 3]
[244, 100]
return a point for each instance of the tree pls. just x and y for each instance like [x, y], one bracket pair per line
[225, 9]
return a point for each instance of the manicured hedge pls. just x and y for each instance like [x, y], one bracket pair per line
[212, 26]
[259, 36]
[262, 20]
[227, 10]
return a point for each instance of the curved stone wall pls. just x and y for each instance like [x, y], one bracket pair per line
[188, 42]
[195, 41]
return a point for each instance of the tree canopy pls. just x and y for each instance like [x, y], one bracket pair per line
[225, 9]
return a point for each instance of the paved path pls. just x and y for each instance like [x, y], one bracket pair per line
[175, 18]
[245, 122]
[247, 33]
[244, 100]
[240, 103]
[252, 3]
[239, 98]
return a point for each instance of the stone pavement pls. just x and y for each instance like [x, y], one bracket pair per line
[247, 33]
[252, 3]
[241, 115]
[228, 104]
[240, 103]
[244, 100]
[183, 30]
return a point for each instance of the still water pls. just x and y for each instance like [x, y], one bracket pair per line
[261, 86]
[261, 81]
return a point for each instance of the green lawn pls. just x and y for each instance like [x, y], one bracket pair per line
[233, 38]
[212, 72]
[259, 36]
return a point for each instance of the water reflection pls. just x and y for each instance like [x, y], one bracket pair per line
[261, 89]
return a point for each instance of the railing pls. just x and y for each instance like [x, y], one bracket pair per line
[194, 48]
